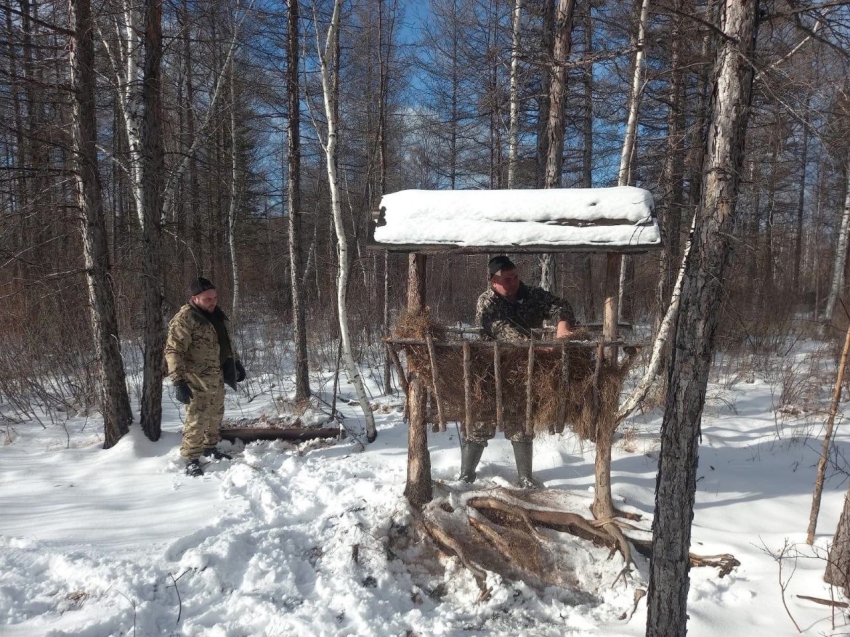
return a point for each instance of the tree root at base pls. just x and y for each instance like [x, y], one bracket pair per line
[510, 533]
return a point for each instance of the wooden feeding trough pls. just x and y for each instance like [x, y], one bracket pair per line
[467, 377]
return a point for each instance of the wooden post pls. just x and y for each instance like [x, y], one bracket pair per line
[529, 390]
[565, 387]
[418, 487]
[497, 375]
[432, 355]
[467, 390]
[612, 301]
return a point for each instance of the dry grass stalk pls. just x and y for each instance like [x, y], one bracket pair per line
[586, 398]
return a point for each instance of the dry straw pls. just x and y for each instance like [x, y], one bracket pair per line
[590, 401]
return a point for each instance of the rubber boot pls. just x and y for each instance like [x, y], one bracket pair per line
[470, 456]
[523, 452]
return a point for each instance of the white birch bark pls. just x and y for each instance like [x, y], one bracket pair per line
[326, 56]
[624, 175]
[665, 332]
[512, 142]
[234, 201]
[126, 63]
[840, 257]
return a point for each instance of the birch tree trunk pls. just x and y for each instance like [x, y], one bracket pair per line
[299, 326]
[115, 403]
[603, 506]
[840, 253]
[669, 290]
[327, 59]
[546, 46]
[555, 125]
[234, 202]
[383, 91]
[629, 141]
[695, 330]
[514, 125]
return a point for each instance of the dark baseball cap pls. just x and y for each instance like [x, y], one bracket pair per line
[500, 263]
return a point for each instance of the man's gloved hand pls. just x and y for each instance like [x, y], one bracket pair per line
[240, 372]
[183, 392]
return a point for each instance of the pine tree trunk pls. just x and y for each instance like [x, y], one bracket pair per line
[115, 403]
[299, 326]
[838, 566]
[151, 170]
[801, 201]
[418, 487]
[555, 125]
[698, 318]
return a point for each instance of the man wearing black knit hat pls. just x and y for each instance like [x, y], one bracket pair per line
[508, 311]
[201, 360]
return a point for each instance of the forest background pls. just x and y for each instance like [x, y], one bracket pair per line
[207, 127]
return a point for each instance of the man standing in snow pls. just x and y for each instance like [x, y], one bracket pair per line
[508, 311]
[201, 360]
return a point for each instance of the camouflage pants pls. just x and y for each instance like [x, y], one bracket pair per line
[482, 431]
[203, 416]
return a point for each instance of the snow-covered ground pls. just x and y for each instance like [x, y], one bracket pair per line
[304, 540]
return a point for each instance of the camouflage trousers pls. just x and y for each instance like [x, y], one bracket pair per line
[482, 431]
[203, 416]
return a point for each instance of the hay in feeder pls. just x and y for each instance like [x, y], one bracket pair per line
[589, 404]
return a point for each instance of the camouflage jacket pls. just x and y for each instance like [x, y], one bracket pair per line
[193, 349]
[507, 320]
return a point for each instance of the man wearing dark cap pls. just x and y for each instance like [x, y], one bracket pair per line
[508, 311]
[201, 359]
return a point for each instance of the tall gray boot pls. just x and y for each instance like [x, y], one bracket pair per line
[470, 456]
[523, 452]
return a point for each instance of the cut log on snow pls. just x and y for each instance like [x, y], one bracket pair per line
[251, 434]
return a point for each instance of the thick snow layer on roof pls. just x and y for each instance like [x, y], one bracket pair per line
[582, 216]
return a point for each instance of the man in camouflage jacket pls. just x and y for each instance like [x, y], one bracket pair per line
[201, 359]
[508, 311]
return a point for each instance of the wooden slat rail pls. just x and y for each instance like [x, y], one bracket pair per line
[435, 378]
[515, 344]
[529, 390]
[497, 374]
[562, 395]
[467, 390]
[596, 373]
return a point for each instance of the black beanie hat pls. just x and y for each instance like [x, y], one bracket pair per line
[200, 285]
[500, 263]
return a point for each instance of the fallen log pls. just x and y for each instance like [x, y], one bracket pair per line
[250, 434]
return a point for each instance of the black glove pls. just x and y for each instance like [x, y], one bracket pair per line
[240, 372]
[183, 392]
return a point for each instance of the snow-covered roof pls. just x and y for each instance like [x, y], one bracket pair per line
[564, 219]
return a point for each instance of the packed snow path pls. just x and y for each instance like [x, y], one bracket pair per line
[293, 540]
